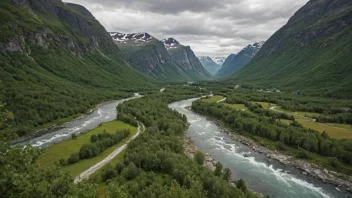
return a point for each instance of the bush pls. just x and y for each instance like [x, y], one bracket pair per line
[119, 167]
[227, 174]
[130, 172]
[303, 154]
[63, 162]
[218, 169]
[93, 138]
[241, 184]
[334, 162]
[88, 151]
[74, 158]
[108, 173]
[73, 136]
[199, 157]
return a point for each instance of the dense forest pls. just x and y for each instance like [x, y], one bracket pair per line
[154, 163]
[260, 122]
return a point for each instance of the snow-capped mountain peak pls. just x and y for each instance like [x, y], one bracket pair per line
[135, 37]
[170, 43]
[255, 47]
[218, 60]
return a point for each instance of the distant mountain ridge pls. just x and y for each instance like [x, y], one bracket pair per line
[209, 63]
[311, 53]
[152, 57]
[235, 62]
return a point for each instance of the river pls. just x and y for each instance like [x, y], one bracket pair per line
[105, 112]
[260, 173]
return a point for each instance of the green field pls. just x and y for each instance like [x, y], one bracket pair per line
[298, 113]
[334, 130]
[63, 150]
[265, 105]
[213, 99]
[236, 106]
[288, 122]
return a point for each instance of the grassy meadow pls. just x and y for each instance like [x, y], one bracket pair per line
[63, 150]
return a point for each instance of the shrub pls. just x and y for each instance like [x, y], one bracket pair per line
[303, 154]
[74, 158]
[334, 162]
[218, 169]
[93, 138]
[130, 172]
[63, 162]
[199, 157]
[227, 174]
[73, 136]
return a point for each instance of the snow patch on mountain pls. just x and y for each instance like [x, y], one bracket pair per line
[218, 60]
[134, 38]
[170, 43]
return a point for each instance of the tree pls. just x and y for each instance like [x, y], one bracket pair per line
[199, 157]
[93, 138]
[218, 169]
[227, 174]
[241, 184]
[74, 158]
[116, 191]
[130, 172]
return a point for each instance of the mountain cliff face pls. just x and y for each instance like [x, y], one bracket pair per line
[151, 56]
[209, 64]
[58, 53]
[148, 55]
[235, 62]
[186, 59]
[311, 53]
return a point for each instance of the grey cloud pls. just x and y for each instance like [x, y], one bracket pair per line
[164, 6]
[210, 27]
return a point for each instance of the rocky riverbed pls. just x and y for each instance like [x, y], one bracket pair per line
[307, 168]
[190, 150]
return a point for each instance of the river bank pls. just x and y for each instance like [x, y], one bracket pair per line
[307, 168]
[190, 149]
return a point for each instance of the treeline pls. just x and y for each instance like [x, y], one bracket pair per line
[99, 143]
[294, 135]
[154, 164]
[257, 108]
[332, 110]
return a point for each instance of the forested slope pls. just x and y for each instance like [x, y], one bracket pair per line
[57, 61]
[311, 53]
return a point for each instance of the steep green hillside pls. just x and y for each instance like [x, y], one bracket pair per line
[57, 61]
[312, 53]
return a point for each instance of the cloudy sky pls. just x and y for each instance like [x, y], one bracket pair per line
[210, 27]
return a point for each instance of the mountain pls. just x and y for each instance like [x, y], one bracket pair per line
[149, 55]
[185, 57]
[218, 60]
[310, 54]
[209, 64]
[235, 63]
[57, 61]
